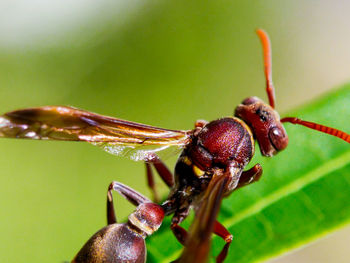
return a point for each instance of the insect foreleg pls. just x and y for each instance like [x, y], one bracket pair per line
[250, 176]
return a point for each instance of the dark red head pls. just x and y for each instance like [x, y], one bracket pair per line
[148, 217]
[265, 124]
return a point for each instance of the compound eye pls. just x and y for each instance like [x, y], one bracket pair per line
[278, 138]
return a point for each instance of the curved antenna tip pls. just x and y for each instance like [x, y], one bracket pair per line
[265, 41]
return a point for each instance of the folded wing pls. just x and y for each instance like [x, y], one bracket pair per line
[116, 136]
[199, 239]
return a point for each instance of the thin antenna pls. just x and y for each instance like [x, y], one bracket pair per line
[318, 127]
[265, 41]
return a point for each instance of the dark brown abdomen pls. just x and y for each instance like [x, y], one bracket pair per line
[115, 243]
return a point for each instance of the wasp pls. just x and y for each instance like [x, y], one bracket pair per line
[220, 148]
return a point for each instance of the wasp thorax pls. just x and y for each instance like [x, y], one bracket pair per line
[221, 142]
[148, 217]
[265, 123]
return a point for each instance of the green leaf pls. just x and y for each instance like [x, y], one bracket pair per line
[304, 192]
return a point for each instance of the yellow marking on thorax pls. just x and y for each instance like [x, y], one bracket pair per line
[198, 172]
[187, 160]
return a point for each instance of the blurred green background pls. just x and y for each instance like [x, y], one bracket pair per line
[164, 63]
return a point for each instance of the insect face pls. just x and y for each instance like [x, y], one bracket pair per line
[265, 123]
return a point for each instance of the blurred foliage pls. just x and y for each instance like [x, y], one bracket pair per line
[160, 63]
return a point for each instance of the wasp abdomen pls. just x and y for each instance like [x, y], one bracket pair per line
[114, 243]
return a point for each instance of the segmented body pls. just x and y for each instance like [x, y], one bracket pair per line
[222, 146]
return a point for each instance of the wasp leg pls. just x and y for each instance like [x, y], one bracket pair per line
[222, 232]
[164, 174]
[181, 235]
[179, 232]
[150, 182]
[128, 193]
[250, 176]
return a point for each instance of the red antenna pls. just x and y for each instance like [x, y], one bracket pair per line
[318, 127]
[265, 41]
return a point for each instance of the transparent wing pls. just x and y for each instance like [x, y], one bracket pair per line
[199, 238]
[116, 136]
[139, 152]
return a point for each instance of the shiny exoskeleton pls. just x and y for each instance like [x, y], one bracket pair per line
[221, 146]
[120, 243]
